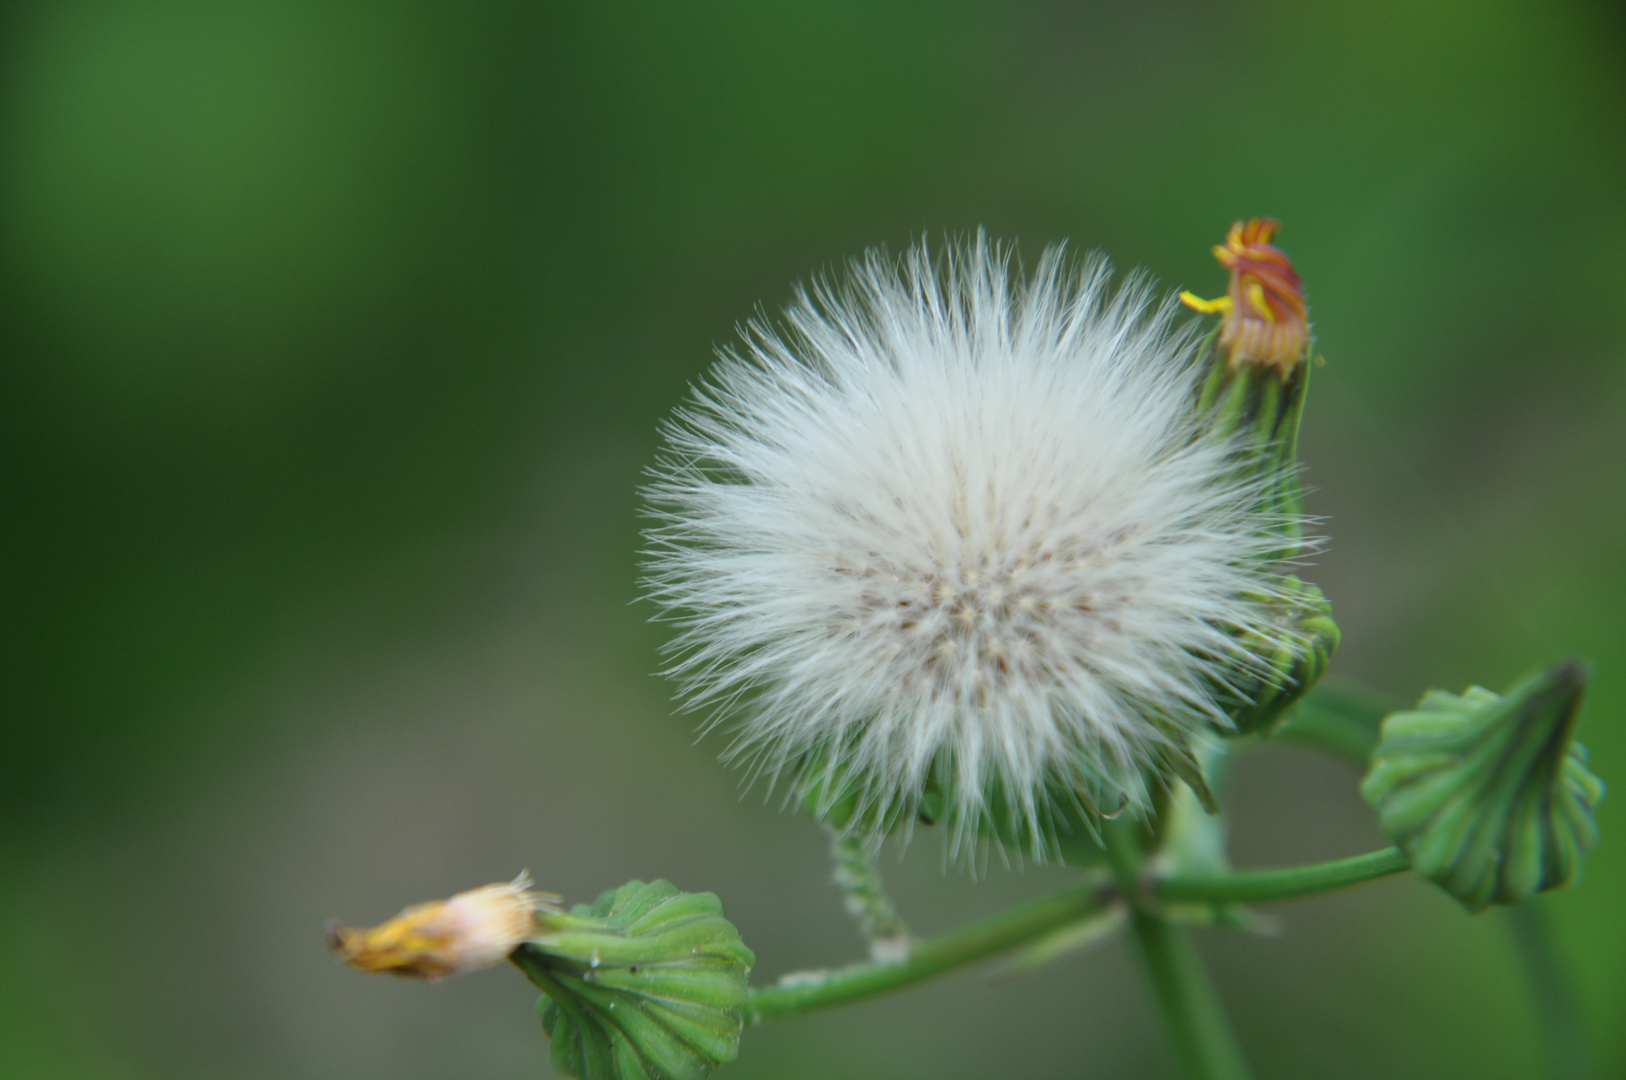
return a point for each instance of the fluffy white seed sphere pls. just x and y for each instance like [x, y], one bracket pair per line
[942, 522]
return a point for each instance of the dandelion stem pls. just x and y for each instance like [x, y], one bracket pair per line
[1569, 1048]
[1036, 918]
[1260, 886]
[929, 958]
[1203, 1040]
[1202, 1036]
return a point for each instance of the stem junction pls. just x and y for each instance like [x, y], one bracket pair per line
[811, 991]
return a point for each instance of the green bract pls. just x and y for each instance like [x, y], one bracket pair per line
[1489, 796]
[1069, 825]
[1261, 405]
[1261, 699]
[648, 982]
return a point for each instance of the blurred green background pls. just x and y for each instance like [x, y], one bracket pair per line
[335, 337]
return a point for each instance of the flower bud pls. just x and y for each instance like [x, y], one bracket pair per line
[472, 930]
[1254, 393]
[1257, 376]
[1489, 796]
[1260, 699]
[1266, 322]
[648, 982]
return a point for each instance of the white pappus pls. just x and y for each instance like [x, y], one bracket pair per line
[946, 526]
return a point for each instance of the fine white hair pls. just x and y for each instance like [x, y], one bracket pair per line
[943, 524]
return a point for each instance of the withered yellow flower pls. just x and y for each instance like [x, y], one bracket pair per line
[1265, 318]
[472, 930]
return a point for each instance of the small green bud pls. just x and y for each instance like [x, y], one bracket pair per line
[648, 983]
[1262, 698]
[1262, 407]
[1489, 796]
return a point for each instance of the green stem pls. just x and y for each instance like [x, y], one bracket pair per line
[1202, 1036]
[1027, 922]
[1203, 1041]
[1569, 1049]
[928, 958]
[1259, 886]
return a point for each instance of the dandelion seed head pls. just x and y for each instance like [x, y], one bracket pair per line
[944, 522]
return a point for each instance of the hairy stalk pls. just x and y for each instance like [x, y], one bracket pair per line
[1203, 1041]
[866, 899]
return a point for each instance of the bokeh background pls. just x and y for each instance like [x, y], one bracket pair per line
[334, 340]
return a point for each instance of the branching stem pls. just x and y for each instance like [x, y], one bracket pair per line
[823, 990]
[798, 994]
[1203, 1042]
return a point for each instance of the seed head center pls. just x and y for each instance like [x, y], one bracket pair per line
[987, 620]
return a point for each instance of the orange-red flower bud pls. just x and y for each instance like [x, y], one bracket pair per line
[1265, 318]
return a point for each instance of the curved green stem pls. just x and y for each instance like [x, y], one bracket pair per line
[798, 994]
[1260, 886]
[823, 990]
